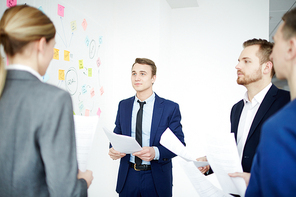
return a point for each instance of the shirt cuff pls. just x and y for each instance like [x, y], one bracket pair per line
[156, 153]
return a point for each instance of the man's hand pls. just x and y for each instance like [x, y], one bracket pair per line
[87, 176]
[245, 175]
[205, 168]
[147, 154]
[114, 154]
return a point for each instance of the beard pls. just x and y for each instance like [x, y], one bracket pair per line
[248, 79]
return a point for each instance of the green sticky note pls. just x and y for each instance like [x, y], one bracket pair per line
[90, 72]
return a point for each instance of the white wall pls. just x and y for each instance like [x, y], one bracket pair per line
[195, 49]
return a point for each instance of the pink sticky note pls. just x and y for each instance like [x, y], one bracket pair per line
[102, 90]
[99, 112]
[92, 92]
[98, 62]
[7, 61]
[61, 10]
[84, 24]
[11, 3]
[87, 112]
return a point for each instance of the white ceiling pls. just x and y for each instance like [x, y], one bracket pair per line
[277, 9]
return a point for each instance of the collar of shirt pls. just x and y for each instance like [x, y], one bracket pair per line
[24, 68]
[258, 98]
[148, 100]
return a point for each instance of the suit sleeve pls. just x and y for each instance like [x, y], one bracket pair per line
[174, 123]
[56, 140]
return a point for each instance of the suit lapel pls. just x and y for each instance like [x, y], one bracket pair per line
[236, 117]
[156, 117]
[128, 116]
[263, 109]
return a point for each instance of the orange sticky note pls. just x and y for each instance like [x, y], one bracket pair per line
[86, 112]
[92, 92]
[56, 54]
[84, 24]
[61, 10]
[80, 64]
[61, 74]
[102, 90]
[66, 55]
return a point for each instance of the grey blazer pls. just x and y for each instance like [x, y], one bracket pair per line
[37, 140]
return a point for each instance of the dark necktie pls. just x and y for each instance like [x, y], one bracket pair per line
[139, 129]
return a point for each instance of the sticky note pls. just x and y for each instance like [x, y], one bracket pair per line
[74, 113]
[56, 54]
[90, 72]
[86, 41]
[81, 105]
[80, 64]
[61, 10]
[84, 24]
[99, 112]
[92, 92]
[73, 26]
[66, 55]
[84, 90]
[61, 74]
[7, 61]
[46, 77]
[41, 9]
[98, 62]
[102, 90]
[11, 3]
[86, 112]
[100, 39]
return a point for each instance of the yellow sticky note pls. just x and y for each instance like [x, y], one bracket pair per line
[90, 72]
[66, 55]
[80, 64]
[61, 74]
[73, 26]
[56, 54]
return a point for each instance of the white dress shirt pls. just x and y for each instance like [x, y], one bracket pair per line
[146, 124]
[247, 116]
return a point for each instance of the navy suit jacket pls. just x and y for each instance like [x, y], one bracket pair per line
[165, 114]
[274, 100]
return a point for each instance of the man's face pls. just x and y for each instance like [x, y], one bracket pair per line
[278, 53]
[248, 68]
[142, 79]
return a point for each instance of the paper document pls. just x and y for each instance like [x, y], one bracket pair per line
[171, 142]
[85, 127]
[223, 157]
[123, 143]
[201, 184]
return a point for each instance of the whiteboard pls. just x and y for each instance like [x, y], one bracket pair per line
[78, 54]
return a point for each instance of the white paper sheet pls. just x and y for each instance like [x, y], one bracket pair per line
[171, 142]
[85, 127]
[201, 184]
[223, 157]
[122, 143]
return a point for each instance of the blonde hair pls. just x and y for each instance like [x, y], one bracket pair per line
[19, 26]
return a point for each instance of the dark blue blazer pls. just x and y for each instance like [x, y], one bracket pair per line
[274, 100]
[165, 114]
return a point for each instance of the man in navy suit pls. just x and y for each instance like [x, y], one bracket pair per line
[262, 99]
[273, 171]
[153, 175]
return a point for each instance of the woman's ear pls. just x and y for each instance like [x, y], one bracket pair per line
[41, 44]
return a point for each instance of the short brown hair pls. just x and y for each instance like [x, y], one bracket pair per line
[265, 49]
[148, 62]
[289, 27]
